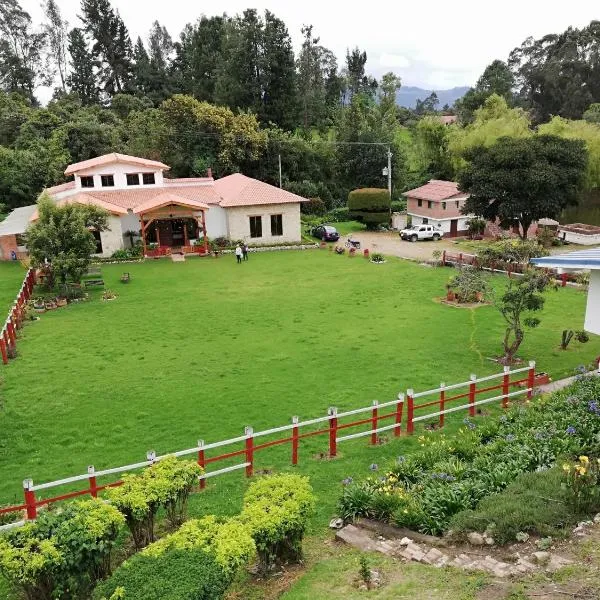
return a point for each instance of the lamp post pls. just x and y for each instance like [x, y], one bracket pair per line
[387, 171]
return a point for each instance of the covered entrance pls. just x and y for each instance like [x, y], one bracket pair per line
[171, 223]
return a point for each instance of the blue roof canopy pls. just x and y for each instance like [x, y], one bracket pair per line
[581, 259]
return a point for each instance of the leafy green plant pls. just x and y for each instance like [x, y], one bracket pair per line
[276, 510]
[567, 336]
[364, 571]
[377, 257]
[582, 337]
[476, 226]
[370, 206]
[582, 482]
[470, 285]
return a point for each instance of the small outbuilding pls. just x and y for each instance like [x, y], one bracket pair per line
[580, 261]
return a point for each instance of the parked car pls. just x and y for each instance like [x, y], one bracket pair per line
[422, 232]
[327, 233]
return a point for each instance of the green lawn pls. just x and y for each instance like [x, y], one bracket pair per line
[202, 348]
[11, 278]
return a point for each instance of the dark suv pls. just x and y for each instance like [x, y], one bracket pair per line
[327, 233]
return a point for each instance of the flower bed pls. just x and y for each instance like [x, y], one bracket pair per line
[448, 475]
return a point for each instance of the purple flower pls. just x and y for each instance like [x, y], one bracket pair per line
[571, 430]
[593, 407]
[374, 467]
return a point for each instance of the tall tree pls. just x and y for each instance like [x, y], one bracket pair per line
[141, 70]
[21, 51]
[56, 29]
[433, 138]
[160, 57]
[357, 81]
[519, 181]
[82, 78]
[389, 85]
[111, 44]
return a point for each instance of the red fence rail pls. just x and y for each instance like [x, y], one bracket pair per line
[14, 320]
[444, 400]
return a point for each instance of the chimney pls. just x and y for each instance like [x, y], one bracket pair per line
[209, 172]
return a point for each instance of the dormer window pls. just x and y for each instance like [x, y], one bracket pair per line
[148, 178]
[87, 181]
[133, 179]
[107, 180]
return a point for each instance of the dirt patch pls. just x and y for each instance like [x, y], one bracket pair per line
[455, 304]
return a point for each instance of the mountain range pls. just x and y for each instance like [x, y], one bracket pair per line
[408, 96]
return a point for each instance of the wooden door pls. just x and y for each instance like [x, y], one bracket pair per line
[453, 227]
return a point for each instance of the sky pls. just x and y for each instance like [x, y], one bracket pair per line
[430, 44]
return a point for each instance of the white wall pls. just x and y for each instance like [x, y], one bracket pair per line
[398, 221]
[129, 223]
[579, 238]
[216, 222]
[112, 238]
[238, 223]
[119, 170]
[592, 312]
[443, 224]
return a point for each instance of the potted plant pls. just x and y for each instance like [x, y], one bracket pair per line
[108, 295]
[377, 258]
[50, 304]
[39, 305]
[61, 301]
[450, 295]
[351, 252]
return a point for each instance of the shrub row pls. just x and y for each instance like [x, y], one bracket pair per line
[425, 490]
[63, 553]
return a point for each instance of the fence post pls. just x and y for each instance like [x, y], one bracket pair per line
[399, 407]
[410, 409]
[249, 433]
[505, 386]
[332, 412]
[29, 499]
[442, 402]
[201, 462]
[11, 332]
[295, 440]
[444, 258]
[460, 259]
[531, 379]
[563, 279]
[374, 423]
[472, 392]
[92, 479]
[3, 350]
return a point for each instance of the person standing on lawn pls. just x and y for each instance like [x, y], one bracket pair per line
[245, 251]
[238, 254]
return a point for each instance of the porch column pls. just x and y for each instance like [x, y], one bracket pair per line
[158, 234]
[204, 232]
[143, 232]
[185, 235]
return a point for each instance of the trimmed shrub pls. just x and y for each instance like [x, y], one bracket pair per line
[511, 251]
[63, 553]
[228, 541]
[276, 511]
[315, 206]
[176, 574]
[398, 205]
[370, 206]
[338, 214]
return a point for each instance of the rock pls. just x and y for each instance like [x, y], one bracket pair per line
[597, 518]
[336, 523]
[476, 539]
[488, 540]
[526, 565]
[557, 562]
[541, 558]
[357, 538]
[405, 541]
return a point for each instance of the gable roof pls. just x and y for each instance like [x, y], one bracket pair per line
[113, 158]
[165, 199]
[18, 220]
[581, 259]
[63, 187]
[85, 199]
[436, 190]
[239, 190]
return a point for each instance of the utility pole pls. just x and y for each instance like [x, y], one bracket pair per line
[279, 155]
[389, 171]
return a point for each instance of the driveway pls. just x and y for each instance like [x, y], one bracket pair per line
[390, 243]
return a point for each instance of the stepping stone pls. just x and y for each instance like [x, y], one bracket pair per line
[357, 538]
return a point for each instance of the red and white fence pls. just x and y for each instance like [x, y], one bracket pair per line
[330, 426]
[14, 320]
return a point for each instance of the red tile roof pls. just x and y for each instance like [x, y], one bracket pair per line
[239, 190]
[165, 199]
[448, 119]
[112, 158]
[187, 180]
[86, 199]
[436, 190]
[63, 187]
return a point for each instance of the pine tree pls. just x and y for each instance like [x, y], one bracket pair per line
[142, 77]
[160, 56]
[82, 79]
[56, 30]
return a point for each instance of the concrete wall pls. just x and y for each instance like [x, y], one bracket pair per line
[592, 313]
[8, 243]
[238, 223]
[216, 222]
[443, 224]
[436, 211]
[119, 171]
[579, 238]
[129, 223]
[398, 221]
[112, 238]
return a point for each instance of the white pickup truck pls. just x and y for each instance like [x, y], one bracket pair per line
[421, 232]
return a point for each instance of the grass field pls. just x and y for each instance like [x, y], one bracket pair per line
[202, 348]
[11, 278]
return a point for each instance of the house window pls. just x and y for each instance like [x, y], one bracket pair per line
[107, 180]
[276, 224]
[425, 221]
[429, 204]
[443, 206]
[255, 227]
[458, 204]
[133, 179]
[20, 239]
[419, 203]
[87, 181]
[148, 178]
[98, 239]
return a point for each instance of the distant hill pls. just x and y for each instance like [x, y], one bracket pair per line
[408, 96]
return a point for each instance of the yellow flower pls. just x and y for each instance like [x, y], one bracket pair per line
[581, 470]
[405, 511]
[566, 467]
[584, 459]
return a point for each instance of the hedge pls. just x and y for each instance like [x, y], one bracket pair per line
[176, 574]
[369, 205]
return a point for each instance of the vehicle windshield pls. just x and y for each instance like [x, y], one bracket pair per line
[330, 229]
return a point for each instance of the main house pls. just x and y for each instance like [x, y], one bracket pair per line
[166, 214]
[438, 203]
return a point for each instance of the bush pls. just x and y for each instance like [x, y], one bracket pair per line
[228, 541]
[315, 206]
[476, 226]
[337, 215]
[166, 483]
[276, 511]
[63, 553]
[511, 251]
[370, 206]
[398, 205]
[175, 574]
[470, 285]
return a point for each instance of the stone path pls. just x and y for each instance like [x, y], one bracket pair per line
[409, 550]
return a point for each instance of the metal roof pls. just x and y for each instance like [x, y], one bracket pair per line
[581, 259]
[18, 220]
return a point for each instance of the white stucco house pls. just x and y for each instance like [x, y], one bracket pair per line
[578, 261]
[166, 214]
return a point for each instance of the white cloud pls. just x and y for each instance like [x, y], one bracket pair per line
[396, 61]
